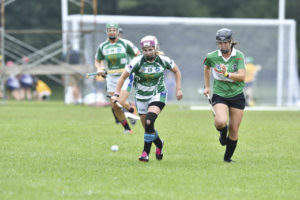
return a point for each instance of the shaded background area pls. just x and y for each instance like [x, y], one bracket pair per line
[36, 14]
[181, 43]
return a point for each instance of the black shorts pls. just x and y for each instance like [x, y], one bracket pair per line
[159, 104]
[237, 101]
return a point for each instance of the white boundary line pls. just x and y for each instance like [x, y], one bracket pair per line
[254, 108]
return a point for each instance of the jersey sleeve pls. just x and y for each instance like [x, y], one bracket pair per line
[207, 62]
[99, 54]
[169, 63]
[131, 49]
[133, 65]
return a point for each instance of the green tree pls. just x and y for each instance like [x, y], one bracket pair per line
[38, 14]
[179, 8]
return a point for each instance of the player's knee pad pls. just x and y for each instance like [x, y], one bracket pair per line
[149, 122]
[150, 137]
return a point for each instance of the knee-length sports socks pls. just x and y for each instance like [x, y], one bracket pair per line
[230, 148]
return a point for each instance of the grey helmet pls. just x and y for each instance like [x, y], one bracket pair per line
[224, 35]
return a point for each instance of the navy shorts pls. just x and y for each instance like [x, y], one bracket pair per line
[237, 101]
[25, 85]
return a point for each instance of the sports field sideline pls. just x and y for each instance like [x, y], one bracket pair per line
[53, 151]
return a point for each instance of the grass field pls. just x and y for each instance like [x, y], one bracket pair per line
[52, 151]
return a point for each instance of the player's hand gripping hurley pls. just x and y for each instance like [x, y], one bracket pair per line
[126, 112]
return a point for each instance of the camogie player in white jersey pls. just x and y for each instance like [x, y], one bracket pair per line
[116, 52]
[151, 92]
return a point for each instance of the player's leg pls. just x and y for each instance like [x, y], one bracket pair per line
[150, 134]
[16, 94]
[156, 105]
[120, 117]
[22, 93]
[124, 94]
[236, 116]
[116, 119]
[236, 112]
[122, 100]
[111, 87]
[142, 110]
[154, 109]
[29, 93]
[221, 110]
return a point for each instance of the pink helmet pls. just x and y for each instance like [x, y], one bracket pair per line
[149, 41]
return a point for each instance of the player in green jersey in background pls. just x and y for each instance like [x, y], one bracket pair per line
[151, 93]
[228, 69]
[116, 52]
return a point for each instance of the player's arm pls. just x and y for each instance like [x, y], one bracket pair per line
[206, 80]
[99, 64]
[240, 75]
[177, 73]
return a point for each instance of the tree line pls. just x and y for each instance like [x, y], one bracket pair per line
[42, 14]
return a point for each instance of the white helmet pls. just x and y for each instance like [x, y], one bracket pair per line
[149, 41]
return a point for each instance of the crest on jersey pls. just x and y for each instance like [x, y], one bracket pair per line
[218, 67]
[142, 69]
[234, 67]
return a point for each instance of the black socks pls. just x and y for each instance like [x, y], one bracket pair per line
[223, 135]
[230, 147]
[158, 142]
[125, 124]
[147, 147]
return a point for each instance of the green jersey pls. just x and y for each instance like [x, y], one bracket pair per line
[149, 76]
[223, 86]
[117, 55]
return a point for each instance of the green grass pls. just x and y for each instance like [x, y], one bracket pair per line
[52, 151]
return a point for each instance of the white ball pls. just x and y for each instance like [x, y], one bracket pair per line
[114, 148]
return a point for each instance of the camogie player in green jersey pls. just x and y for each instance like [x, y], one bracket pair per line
[228, 69]
[151, 93]
[116, 52]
